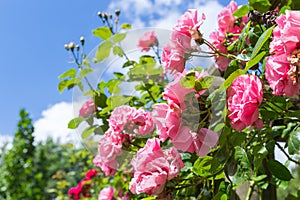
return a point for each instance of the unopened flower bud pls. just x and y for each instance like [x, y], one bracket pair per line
[105, 16]
[66, 47]
[77, 47]
[71, 46]
[110, 16]
[82, 40]
[99, 14]
[117, 12]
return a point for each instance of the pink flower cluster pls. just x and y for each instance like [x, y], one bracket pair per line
[153, 168]
[124, 122]
[169, 123]
[281, 67]
[177, 51]
[244, 96]
[87, 108]
[226, 24]
[83, 187]
[149, 39]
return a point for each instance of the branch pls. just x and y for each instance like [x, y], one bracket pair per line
[286, 154]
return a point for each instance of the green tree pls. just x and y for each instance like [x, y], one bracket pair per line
[17, 168]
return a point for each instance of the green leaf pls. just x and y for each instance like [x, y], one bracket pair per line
[118, 37]
[126, 26]
[85, 72]
[254, 61]
[87, 132]
[243, 168]
[242, 11]
[189, 80]
[119, 75]
[260, 5]
[261, 41]
[231, 78]
[103, 51]
[243, 36]
[68, 84]
[208, 166]
[102, 32]
[74, 123]
[118, 51]
[70, 73]
[294, 141]
[279, 170]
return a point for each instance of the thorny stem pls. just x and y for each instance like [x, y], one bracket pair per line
[286, 154]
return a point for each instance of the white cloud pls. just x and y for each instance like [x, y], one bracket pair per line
[6, 139]
[54, 124]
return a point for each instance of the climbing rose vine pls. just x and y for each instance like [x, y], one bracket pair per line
[184, 131]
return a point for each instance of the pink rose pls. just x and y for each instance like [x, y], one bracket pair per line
[144, 121]
[126, 118]
[175, 93]
[189, 21]
[109, 147]
[106, 193]
[87, 108]
[281, 72]
[152, 168]
[167, 119]
[190, 141]
[74, 193]
[244, 96]
[226, 24]
[148, 40]
[277, 68]
[172, 59]
[175, 161]
[120, 117]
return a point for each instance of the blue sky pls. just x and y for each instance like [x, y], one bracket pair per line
[32, 37]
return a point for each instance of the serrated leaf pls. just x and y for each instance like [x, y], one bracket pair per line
[103, 51]
[62, 85]
[126, 26]
[119, 75]
[70, 73]
[102, 32]
[294, 141]
[74, 123]
[87, 132]
[118, 51]
[279, 170]
[85, 72]
[242, 11]
[261, 41]
[118, 37]
[207, 166]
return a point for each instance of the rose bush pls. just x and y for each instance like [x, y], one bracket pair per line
[186, 134]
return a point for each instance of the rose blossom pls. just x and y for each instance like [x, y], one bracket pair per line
[152, 168]
[226, 24]
[109, 147]
[174, 92]
[178, 50]
[167, 118]
[144, 121]
[126, 118]
[244, 96]
[87, 108]
[149, 39]
[189, 21]
[106, 193]
[190, 141]
[281, 68]
[172, 58]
